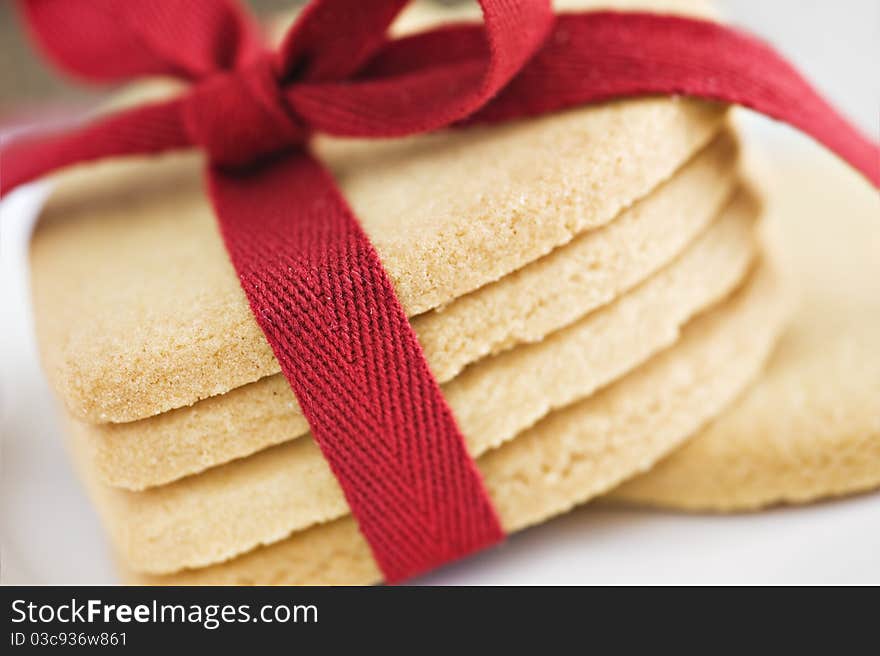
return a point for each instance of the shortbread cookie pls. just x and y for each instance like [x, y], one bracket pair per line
[569, 457]
[524, 306]
[810, 427]
[260, 499]
[138, 309]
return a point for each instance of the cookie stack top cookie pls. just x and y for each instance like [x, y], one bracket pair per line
[139, 310]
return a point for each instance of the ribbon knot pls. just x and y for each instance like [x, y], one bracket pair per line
[242, 116]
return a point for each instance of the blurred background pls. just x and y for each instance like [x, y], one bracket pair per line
[836, 42]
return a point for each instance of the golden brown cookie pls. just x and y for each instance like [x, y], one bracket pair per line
[139, 311]
[810, 427]
[524, 306]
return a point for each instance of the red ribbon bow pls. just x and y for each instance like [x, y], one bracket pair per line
[314, 282]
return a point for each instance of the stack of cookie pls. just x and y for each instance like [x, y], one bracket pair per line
[588, 287]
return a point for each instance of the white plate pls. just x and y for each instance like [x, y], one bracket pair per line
[50, 534]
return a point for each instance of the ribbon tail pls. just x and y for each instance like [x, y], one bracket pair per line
[601, 56]
[144, 130]
[328, 309]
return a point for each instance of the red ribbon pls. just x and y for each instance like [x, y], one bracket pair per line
[313, 280]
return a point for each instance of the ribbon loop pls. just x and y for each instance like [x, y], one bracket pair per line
[444, 88]
[114, 41]
[332, 39]
[241, 117]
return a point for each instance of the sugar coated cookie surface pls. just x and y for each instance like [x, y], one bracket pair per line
[810, 427]
[139, 311]
[524, 306]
